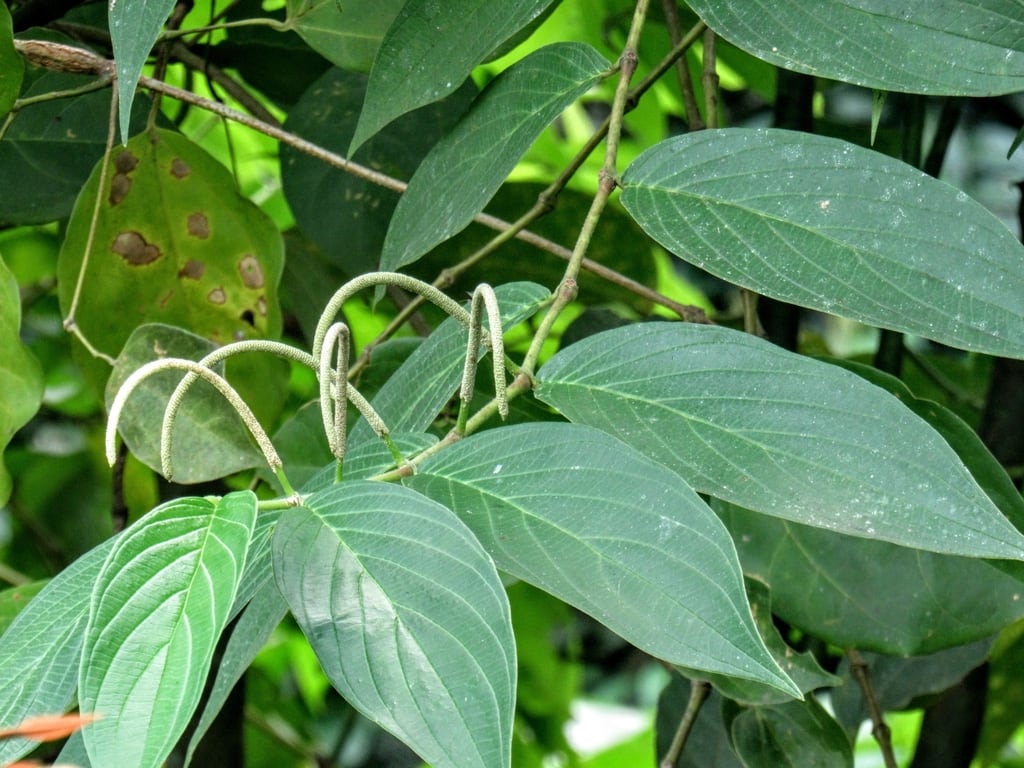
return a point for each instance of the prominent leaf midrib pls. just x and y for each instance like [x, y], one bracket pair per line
[487, 497]
[366, 573]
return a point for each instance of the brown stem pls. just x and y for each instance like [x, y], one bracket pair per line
[879, 728]
[699, 692]
[693, 119]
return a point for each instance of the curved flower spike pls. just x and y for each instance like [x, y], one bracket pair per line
[333, 375]
[484, 300]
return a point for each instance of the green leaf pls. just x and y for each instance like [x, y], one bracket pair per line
[40, 651]
[134, 28]
[158, 606]
[14, 599]
[345, 215]
[209, 439]
[416, 392]
[407, 616]
[473, 160]
[778, 433]
[345, 32]
[12, 68]
[249, 634]
[21, 379]
[430, 49]
[824, 224]
[872, 595]
[582, 516]
[791, 735]
[175, 236]
[936, 47]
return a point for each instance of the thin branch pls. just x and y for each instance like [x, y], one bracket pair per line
[879, 728]
[699, 692]
[693, 119]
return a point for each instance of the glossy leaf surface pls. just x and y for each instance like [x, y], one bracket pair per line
[21, 379]
[158, 606]
[473, 160]
[430, 49]
[828, 225]
[407, 616]
[582, 516]
[926, 46]
[764, 428]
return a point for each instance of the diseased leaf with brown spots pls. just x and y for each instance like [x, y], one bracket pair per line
[174, 244]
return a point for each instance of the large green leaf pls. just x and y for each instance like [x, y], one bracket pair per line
[345, 32]
[582, 516]
[158, 607]
[778, 433]
[40, 651]
[824, 224]
[209, 439]
[12, 68]
[134, 28]
[21, 380]
[407, 616]
[925, 46]
[430, 49]
[416, 392]
[872, 595]
[345, 215]
[175, 244]
[473, 160]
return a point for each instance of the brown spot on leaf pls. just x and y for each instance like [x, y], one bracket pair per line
[179, 168]
[217, 296]
[198, 226]
[120, 185]
[125, 161]
[261, 305]
[166, 299]
[133, 248]
[251, 272]
[193, 269]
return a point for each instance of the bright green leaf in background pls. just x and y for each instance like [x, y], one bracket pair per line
[430, 49]
[21, 380]
[12, 68]
[922, 46]
[471, 162]
[750, 423]
[407, 616]
[175, 244]
[345, 32]
[158, 607]
[40, 651]
[134, 28]
[582, 516]
[825, 224]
